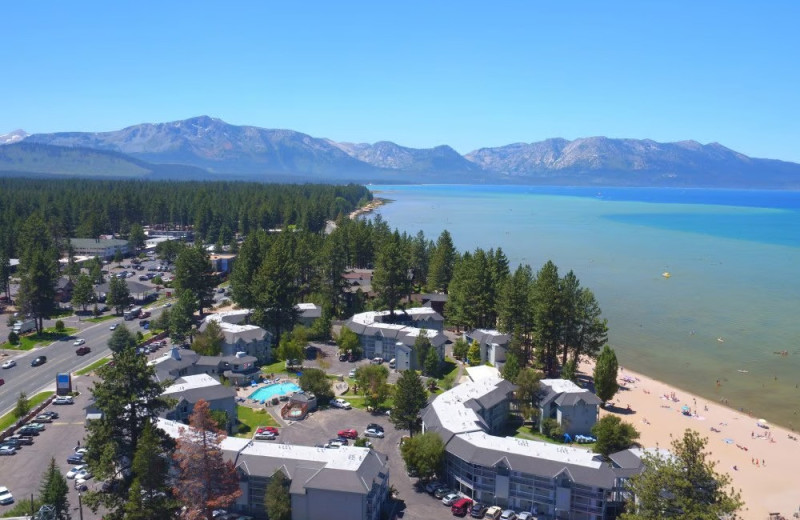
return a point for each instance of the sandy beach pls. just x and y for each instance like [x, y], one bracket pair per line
[762, 461]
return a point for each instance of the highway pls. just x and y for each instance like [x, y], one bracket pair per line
[61, 357]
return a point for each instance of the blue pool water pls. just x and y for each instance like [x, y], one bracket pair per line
[268, 392]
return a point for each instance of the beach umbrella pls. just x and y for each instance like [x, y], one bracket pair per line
[762, 421]
[685, 408]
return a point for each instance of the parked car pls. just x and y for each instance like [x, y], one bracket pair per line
[14, 443]
[75, 458]
[83, 474]
[74, 471]
[5, 496]
[342, 357]
[349, 433]
[26, 430]
[377, 361]
[450, 499]
[63, 399]
[335, 443]
[264, 436]
[341, 403]
[493, 512]
[372, 432]
[82, 351]
[50, 414]
[525, 515]
[477, 510]
[10, 364]
[38, 361]
[508, 514]
[461, 507]
[36, 425]
[7, 450]
[271, 429]
[442, 492]
[432, 486]
[352, 374]
[342, 440]
[43, 418]
[26, 440]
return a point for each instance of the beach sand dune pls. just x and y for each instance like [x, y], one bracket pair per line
[762, 459]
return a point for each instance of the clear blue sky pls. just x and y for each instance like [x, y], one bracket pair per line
[467, 74]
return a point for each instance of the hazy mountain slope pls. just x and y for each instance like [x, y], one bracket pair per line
[208, 147]
[217, 146]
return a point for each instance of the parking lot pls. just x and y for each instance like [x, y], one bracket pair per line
[21, 473]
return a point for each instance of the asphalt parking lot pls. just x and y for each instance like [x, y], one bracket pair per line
[21, 473]
[321, 426]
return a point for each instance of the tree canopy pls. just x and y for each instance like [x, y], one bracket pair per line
[605, 375]
[410, 398]
[613, 435]
[423, 454]
[683, 484]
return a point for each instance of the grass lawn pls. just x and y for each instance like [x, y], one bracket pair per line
[279, 367]
[46, 337]
[61, 313]
[100, 319]
[525, 432]
[97, 364]
[359, 401]
[250, 419]
[9, 419]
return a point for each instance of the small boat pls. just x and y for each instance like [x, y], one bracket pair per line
[743, 371]
[721, 340]
[666, 274]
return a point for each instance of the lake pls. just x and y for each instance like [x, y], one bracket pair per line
[730, 303]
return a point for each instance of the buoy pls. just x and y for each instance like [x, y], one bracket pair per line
[666, 274]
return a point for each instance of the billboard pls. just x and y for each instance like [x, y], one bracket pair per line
[63, 383]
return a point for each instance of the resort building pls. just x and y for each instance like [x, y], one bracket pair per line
[241, 337]
[574, 408]
[493, 343]
[552, 481]
[395, 340]
[239, 369]
[188, 390]
[308, 313]
[348, 483]
[104, 248]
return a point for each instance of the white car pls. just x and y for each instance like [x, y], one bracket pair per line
[372, 432]
[9, 364]
[79, 342]
[341, 403]
[7, 450]
[5, 496]
[83, 474]
[352, 374]
[75, 470]
[525, 515]
[448, 500]
[113, 326]
[63, 399]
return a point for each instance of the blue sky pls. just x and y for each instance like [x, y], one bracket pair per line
[467, 74]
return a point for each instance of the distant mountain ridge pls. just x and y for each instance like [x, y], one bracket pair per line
[210, 148]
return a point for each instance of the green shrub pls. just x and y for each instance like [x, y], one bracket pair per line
[60, 326]
[13, 338]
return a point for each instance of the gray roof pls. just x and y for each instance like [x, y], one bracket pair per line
[496, 396]
[169, 368]
[571, 398]
[397, 334]
[207, 393]
[87, 243]
[487, 337]
[434, 297]
[133, 287]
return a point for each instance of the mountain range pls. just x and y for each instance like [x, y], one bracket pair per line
[208, 148]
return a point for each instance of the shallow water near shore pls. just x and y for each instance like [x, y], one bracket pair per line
[730, 303]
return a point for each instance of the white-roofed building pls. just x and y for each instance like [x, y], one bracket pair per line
[349, 483]
[395, 340]
[240, 336]
[549, 480]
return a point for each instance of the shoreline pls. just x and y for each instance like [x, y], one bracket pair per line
[369, 208]
[761, 460]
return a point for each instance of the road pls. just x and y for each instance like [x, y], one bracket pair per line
[61, 358]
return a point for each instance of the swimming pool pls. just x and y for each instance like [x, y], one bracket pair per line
[268, 392]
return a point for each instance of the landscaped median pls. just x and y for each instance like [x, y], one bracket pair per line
[94, 366]
[9, 419]
[45, 337]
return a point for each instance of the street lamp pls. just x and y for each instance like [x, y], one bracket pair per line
[80, 506]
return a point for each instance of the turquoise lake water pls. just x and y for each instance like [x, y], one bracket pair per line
[268, 392]
[733, 257]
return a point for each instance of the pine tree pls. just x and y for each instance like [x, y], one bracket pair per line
[148, 497]
[684, 484]
[277, 500]
[23, 406]
[121, 339]
[119, 294]
[474, 354]
[432, 363]
[547, 315]
[390, 279]
[409, 399]
[605, 375]
[442, 263]
[511, 367]
[422, 345]
[193, 275]
[206, 481]
[53, 490]
[83, 292]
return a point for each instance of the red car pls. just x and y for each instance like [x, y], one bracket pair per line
[83, 350]
[348, 434]
[265, 429]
